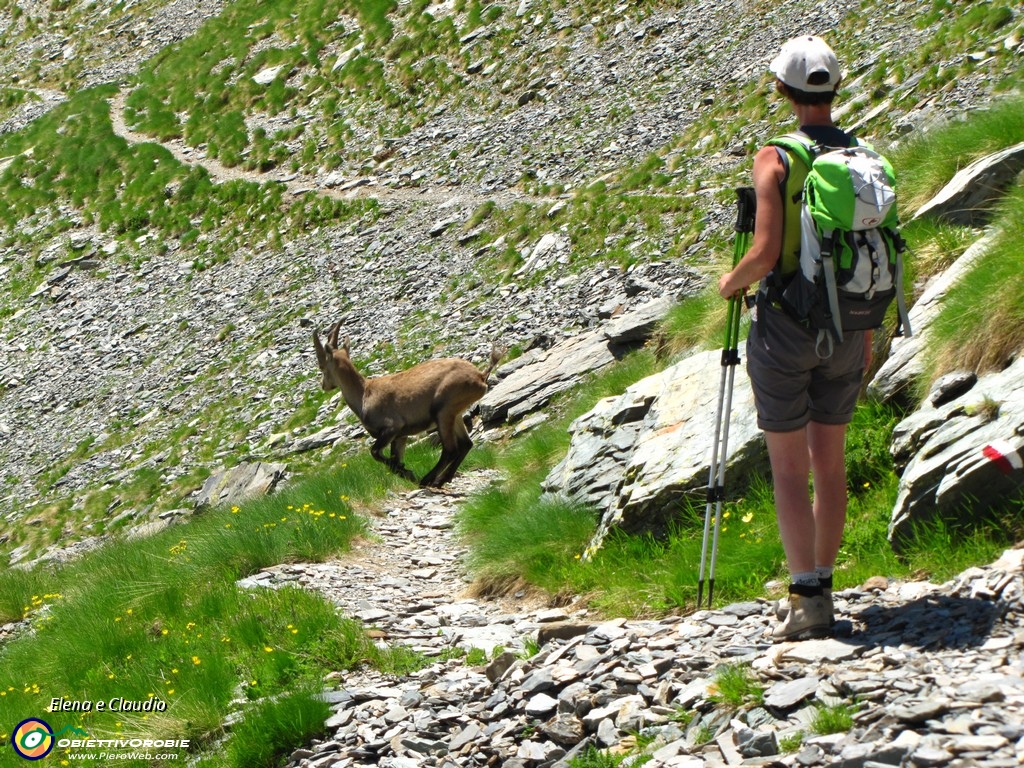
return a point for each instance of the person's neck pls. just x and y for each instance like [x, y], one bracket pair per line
[813, 114]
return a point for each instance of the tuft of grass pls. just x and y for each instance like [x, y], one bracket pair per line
[515, 534]
[944, 547]
[935, 246]
[22, 592]
[697, 323]
[599, 758]
[735, 685]
[792, 743]
[703, 735]
[530, 648]
[270, 729]
[837, 718]
[868, 460]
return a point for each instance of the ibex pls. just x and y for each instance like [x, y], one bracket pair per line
[397, 405]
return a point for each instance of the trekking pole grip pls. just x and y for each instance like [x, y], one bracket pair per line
[746, 209]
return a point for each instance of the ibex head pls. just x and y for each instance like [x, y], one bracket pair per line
[331, 358]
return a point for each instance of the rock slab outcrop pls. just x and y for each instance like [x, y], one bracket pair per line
[961, 456]
[638, 456]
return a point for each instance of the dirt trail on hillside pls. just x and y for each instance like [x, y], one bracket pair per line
[300, 184]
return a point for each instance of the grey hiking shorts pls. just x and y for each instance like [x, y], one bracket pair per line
[792, 384]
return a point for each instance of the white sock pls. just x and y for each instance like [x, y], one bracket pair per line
[807, 578]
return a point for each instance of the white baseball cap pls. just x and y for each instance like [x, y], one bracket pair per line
[807, 64]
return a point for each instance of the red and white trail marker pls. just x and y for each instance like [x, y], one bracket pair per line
[1004, 456]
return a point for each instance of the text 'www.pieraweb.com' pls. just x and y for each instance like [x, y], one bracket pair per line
[107, 756]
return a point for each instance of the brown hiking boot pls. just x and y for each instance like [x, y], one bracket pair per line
[781, 607]
[809, 615]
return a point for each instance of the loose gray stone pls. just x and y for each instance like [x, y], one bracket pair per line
[245, 481]
[788, 694]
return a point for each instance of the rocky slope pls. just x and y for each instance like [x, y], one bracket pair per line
[133, 364]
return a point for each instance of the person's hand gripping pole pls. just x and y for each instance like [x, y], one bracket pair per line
[746, 208]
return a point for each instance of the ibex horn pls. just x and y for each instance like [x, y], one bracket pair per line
[332, 337]
[321, 353]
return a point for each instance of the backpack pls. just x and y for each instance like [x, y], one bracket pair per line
[851, 265]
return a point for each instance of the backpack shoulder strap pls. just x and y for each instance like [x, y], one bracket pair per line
[804, 147]
[798, 144]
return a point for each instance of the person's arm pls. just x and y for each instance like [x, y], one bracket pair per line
[764, 251]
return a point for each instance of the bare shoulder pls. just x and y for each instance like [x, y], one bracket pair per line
[768, 166]
[768, 157]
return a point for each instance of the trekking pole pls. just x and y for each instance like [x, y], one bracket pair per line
[746, 205]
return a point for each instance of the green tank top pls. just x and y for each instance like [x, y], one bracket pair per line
[791, 188]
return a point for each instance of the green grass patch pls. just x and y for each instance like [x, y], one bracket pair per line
[837, 718]
[791, 743]
[23, 592]
[593, 757]
[980, 326]
[933, 246]
[11, 98]
[929, 159]
[163, 619]
[944, 548]
[272, 728]
[699, 323]
[736, 685]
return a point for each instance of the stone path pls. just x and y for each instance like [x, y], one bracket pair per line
[929, 675]
[408, 583]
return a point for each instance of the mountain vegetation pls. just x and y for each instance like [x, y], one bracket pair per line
[187, 189]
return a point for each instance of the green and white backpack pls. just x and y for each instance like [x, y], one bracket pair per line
[851, 265]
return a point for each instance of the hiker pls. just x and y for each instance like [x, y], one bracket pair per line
[804, 400]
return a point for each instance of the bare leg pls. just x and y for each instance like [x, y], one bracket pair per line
[790, 459]
[811, 532]
[828, 467]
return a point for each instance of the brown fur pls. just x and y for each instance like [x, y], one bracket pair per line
[393, 407]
